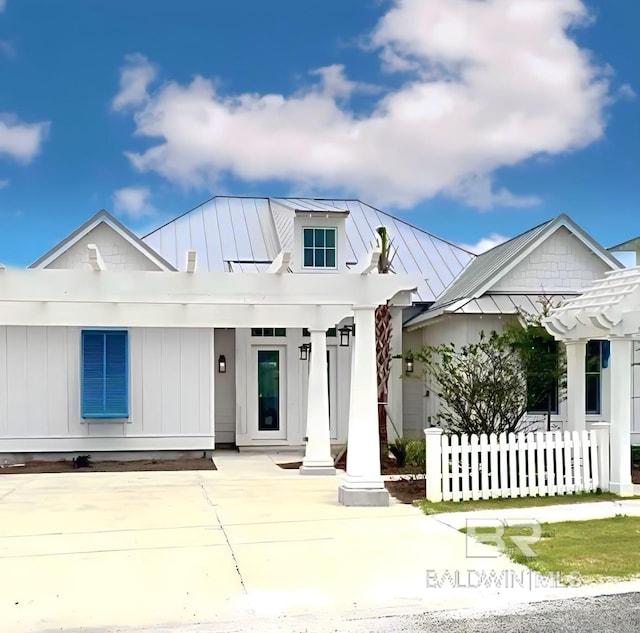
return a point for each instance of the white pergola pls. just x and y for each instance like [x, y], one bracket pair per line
[610, 309]
[102, 297]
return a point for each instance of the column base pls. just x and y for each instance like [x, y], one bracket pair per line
[624, 490]
[364, 497]
[319, 469]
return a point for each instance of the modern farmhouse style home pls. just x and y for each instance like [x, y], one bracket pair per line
[249, 322]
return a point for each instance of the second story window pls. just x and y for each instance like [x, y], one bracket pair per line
[319, 247]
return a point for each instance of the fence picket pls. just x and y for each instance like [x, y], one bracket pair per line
[455, 468]
[559, 453]
[532, 484]
[464, 465]
[513, 472]
[446, 469]
[522, 465]
[576, 457]
[484, 466]
[568, 471]
[593, 452]
[550, 464]
[541, 451]
[499, 473]
[586, 467]
[475, 467]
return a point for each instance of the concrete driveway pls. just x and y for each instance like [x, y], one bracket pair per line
[107, 551]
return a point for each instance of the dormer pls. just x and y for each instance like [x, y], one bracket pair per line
[319, 240]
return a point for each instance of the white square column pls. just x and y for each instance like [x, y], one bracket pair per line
[362, 484]
[620, 432]
[576, 385]
[317, 459]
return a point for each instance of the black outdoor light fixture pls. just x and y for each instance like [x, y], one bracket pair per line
[345, 332]
[409, 364]
[222, 364]
[305, 350]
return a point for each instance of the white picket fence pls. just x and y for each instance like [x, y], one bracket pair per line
[461, 468]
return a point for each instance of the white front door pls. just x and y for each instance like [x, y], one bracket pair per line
[267, 392]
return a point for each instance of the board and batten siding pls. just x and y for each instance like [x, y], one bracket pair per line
[170, 391]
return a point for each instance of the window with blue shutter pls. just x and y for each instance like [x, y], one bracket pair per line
[105, 374]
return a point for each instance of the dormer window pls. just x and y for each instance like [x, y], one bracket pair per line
[319, 247]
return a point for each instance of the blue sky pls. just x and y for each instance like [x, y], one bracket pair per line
[470, 119]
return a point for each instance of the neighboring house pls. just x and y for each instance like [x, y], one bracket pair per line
[130, 387]
[555, 260]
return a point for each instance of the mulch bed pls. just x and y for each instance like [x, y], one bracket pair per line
[406, 490]
[65, 466]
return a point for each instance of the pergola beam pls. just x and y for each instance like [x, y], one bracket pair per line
[191, 261]
[281, 263]
[95, 258]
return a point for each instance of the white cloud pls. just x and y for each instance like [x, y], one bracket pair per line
[4, 183]
[21, 141]
[483, 85]
[485, 243]
[626, 92]
[3, 5]
[135, 77]
[477, 191]
[133, 201]
[7, 49]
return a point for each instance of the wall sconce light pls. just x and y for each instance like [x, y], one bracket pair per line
[345, 331]
[409, 364]
[222, 364]
[305, 350]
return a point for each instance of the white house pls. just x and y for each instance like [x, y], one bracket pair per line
[197, 335]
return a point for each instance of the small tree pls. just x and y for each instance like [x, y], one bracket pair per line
[542, 359]
[481, 385]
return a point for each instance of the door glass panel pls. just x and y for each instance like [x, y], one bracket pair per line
[268, 390]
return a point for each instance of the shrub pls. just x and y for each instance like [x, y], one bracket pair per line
[398, 449]
[416, 454]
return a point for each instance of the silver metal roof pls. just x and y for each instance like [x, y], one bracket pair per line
[232, 233]
[486, 265]
[485, 269]
[510, 303]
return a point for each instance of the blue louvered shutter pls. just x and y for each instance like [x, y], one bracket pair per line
[105, 374]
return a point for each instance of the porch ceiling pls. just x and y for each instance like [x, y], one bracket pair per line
[609, 308]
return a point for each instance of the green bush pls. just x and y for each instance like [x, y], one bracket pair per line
[398, 449]
[635, 455]
[416, 454]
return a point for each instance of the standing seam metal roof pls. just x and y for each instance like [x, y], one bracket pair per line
[225, 229]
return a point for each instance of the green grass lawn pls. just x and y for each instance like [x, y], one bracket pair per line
[597, 550]
[429, 507]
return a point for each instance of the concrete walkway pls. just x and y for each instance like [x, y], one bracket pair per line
[108, 551]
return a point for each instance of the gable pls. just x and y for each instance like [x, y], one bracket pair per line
[117, 253]
[560, 261]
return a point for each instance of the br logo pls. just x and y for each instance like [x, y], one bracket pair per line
[483, 533]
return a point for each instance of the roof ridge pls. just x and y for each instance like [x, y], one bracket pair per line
[197, 206]
[519, 235]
